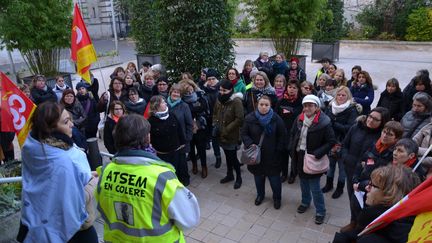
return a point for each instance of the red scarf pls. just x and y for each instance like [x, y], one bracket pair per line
[234, 82]
[410, 162]
[115, 118]
[315, 120]
[381, 147]
[290, 98]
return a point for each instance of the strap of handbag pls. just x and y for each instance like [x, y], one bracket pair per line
[261, 139]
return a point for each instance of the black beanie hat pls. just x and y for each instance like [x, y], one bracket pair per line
[226, 84]
[212, 73]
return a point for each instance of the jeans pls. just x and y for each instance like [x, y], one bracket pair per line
[275, 184]
[331, 171]
[309, 186]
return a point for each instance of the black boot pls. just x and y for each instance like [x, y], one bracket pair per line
[329, 185]
[229, 177]
[339, 190]
[218, 162]
[238, 182]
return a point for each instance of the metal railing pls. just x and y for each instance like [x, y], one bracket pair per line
[19, 178]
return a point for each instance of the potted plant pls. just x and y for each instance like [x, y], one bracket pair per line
[325, 40]
[145, 30]
[195, 36]
[38, 31]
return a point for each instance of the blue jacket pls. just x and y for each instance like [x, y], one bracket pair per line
[53, 191]
[364, 95]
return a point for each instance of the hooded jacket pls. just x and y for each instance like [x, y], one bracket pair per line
[228, 117]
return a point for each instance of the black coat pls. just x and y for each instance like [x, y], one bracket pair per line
[146, 93]
[166, 135]
[137, 108]
[89, 104]
[396, 232]
[373, 159]
[394, 103]
[39, 95]
[342, 121]
[108, 135]
[357, 141]
[250, 101]
[272, 146]
[265, 67]
[320, 139]
[183, 114]
[200, 110]
[289, 111]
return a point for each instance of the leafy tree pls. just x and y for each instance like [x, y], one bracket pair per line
[38, 29]
[286, 20]
[420, 25]
[330, 27]
[195, 34]
[145, 26]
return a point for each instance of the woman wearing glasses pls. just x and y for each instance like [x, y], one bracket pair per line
[359, 138]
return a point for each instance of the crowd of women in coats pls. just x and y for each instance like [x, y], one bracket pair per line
[330, 118]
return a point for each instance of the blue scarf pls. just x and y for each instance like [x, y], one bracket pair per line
[172, 103]
[265, 120]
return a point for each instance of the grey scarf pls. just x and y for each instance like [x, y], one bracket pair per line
[307, 122]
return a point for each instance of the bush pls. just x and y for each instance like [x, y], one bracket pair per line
[10, 193]
[144, 26]
[195, 34]
[420, 25]
[331, 28]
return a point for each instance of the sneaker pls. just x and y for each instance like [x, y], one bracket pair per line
[319, 219]
[302, 209]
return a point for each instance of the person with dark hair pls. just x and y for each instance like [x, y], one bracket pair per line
[90, 109]
[71, 104]
[40, 92]
[115, 91]
[295, 71]
[227, 121]
[184, 116]
[131, 69]
[116, 110]
[365, 131]
[152, 201]
[354, 73]
[288, 108]
[246, 72]
[410, 90]
[145, 66]
[328, 94]
[419, 115]
[363, 92]
[311, 135]
[392, 99]
[388, 185]
[93, 86]
[405, 153]
[51, 164]
[379, 154]
[59, 87]
[135, 104]
[166, 133]
[331, 70]
[266, 125]
[118, 72]
[200, 81]
[161, 87]
[233, 75]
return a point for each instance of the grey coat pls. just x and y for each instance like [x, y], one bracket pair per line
[413, 122]
[184, 116]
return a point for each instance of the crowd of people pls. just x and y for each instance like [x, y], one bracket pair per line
[300, 124]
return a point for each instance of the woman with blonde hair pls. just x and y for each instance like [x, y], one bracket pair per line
[342, 111]
[261, 86]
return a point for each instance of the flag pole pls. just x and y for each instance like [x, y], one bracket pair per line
[422, 158]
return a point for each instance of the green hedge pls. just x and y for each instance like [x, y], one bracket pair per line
[420, 25]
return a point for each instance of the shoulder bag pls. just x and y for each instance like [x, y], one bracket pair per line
[252, 154]
[312, 165]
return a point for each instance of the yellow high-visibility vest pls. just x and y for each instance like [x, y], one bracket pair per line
[133, 200]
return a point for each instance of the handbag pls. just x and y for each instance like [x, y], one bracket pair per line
[312, 165]
[252, 154]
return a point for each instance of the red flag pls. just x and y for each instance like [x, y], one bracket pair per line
[82, 50]
[416, 202]
[16, 109]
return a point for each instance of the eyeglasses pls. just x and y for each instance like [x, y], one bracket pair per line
[374, 118]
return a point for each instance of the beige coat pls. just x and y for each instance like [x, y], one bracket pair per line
[424, 139]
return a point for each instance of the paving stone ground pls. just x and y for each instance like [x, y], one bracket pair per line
[229, 215]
